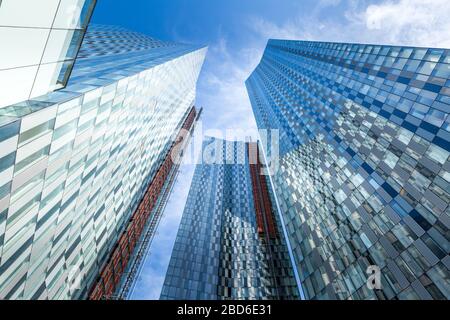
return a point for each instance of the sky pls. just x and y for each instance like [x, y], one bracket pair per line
[236, 33]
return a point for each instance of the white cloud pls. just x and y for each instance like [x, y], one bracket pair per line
[221, 88]
[416, 22]
[404, 22]
[223, 94]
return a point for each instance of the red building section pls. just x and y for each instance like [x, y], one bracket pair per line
[263, 206]
[111, 274]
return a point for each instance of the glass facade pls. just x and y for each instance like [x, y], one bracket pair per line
[75, 163]
[40, 41]
[364, 171]
[99, 42]
[219, 252]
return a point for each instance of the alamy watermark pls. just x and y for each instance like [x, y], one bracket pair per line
[214, 146]
[374, 277]
[373, 282]
[74, 278]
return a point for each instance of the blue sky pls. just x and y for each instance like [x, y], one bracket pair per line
[236, 32]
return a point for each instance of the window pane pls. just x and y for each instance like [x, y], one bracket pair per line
[74, 15]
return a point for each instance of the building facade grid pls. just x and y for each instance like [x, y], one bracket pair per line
[218, 253]
[75, 163]
[364, 169]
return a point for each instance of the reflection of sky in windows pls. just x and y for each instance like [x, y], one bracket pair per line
[78, 137]
[40, 44]
[218, 252]
[367, 165]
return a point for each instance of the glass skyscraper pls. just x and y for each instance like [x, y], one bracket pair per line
[76, 164]
[229, 244]
[39, 43]
[364, 175]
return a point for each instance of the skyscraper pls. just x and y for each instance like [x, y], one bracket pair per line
[364, 172]
[229, 244]
[40, 40]
[81, 166]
